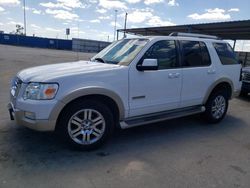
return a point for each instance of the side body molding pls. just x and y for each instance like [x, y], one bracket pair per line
[210, 89]
[96, 91]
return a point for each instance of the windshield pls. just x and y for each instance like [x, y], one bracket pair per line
[121, 52]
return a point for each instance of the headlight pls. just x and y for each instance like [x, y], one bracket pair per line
[243, 74]
[40, 91]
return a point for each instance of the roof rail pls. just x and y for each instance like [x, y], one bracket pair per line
[193, 35]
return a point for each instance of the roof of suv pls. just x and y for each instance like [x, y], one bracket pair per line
[182, 38]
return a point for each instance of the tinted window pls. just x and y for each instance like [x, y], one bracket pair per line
[225, 53]
[205, 54]
[164, 52]
[195, 54]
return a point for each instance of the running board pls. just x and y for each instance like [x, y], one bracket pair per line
[160, 116]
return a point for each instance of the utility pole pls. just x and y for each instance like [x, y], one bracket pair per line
[115, 23]
[125, 25]
[24, 16]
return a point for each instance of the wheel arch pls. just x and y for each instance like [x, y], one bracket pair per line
[223, 83]
[108, 97]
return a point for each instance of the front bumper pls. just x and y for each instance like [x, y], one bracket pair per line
[39, 125]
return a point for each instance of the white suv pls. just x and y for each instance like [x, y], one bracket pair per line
[132, 82]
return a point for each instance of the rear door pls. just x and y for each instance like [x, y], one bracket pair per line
[198, 72]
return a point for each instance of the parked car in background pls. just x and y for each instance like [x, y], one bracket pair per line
[245, 90]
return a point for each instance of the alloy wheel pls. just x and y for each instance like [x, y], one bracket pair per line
[86, 126]
[218, 107]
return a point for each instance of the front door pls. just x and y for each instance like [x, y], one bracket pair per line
[156, 90]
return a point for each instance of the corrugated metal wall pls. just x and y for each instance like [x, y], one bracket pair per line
[85, 45]
[29, 41]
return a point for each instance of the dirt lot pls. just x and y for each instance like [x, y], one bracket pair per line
[184, 152]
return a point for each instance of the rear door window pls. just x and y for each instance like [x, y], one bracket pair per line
[225, 53]
[194, 54]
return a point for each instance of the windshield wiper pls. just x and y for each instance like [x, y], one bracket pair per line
[100, 60]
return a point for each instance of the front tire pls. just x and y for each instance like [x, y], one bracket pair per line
[216, 106]
[86, 125]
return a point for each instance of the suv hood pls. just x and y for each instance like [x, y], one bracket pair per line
[51, 72]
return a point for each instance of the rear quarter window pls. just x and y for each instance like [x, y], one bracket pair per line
[225, 53]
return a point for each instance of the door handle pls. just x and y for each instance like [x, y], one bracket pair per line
[177, 75]
[173, 75]
[170, 75]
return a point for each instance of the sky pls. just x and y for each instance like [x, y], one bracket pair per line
[94, 19]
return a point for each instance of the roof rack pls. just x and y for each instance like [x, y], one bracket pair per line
[193, 35]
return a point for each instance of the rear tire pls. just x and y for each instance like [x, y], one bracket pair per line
[216, 106]
[86, 124]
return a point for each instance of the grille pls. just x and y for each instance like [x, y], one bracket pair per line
[246, 76]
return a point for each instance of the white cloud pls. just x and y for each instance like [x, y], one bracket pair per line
[15, 23]
[35, 27]
[148, 2]
[62, 14]
[173, 3]
[9, 2]
[117, 24]
[234, 10]
[133, 1]
[101, 10]
[103, 35]
[112, 4]
[35, 11]
[52, 29]
[139, 16]
[146, 16]
[72, 3]
[157, 21]
[211, 14]
[104, 17]
[76, 30]
[65, 4]
[1, 9]
[54, 5]
[1, 24]
[94, 21]
[93, 1]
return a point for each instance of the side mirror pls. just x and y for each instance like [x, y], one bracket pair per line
[148, 64]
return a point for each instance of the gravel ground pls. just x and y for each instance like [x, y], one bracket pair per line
[185, 152]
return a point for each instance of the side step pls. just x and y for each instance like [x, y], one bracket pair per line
[160, 116]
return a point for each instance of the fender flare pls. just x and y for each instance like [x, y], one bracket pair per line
[211, 88]
[85, 92]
